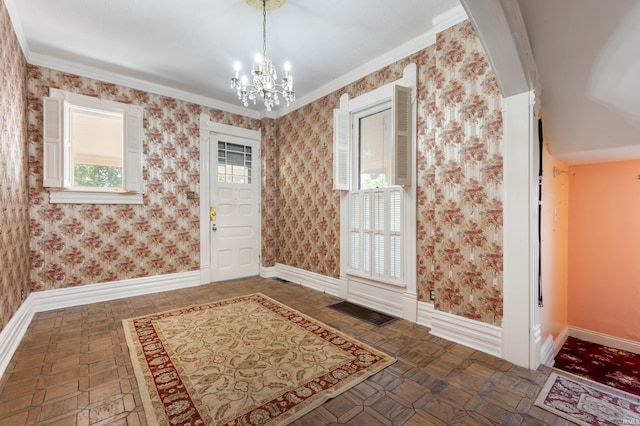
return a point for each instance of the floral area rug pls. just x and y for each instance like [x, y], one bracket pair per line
[243, 361]
[587, 405]
[610, 366]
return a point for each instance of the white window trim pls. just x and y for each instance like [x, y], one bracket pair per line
[409, 241]
[56, 163]
[77, 196]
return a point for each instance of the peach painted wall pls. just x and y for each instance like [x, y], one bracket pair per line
[555, 220]
[604, 248]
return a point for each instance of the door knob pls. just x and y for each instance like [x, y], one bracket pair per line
[214, 228]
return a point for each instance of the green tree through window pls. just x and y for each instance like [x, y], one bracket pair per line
[97, 176]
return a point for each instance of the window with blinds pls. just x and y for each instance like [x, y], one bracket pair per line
[375, 233]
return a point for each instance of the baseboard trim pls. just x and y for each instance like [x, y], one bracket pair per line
[551, 347]
[268, 272]
[381, 300]
[559, 341]
[425, 314]
[605, 339]
[474, 334]
[48, 300]
[309, 279]
[13, 332]
[547, 352]
[93, 293]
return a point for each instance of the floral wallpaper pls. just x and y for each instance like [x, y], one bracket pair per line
[308, 207]
[269, 197]
[14, 192]
[77, 244]
[459, 182]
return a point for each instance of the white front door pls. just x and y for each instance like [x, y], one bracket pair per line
[235, 201]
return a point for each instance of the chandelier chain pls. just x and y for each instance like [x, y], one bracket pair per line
[264, 27]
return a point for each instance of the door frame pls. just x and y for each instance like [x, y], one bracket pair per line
[207, 128]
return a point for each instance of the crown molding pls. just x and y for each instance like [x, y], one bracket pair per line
[115, 78]
[440, 23]
[17, 27]
[135, 83]
[448, 19]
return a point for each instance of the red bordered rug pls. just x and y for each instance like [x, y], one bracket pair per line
[244, 361]
[588, 405]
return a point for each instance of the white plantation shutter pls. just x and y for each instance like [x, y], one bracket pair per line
[395, 222]
[376, 233]
[132, 179]
[53, 167]
[356, 229]
[401, 133]
[367, 231]
[379, 228]
[341, 150]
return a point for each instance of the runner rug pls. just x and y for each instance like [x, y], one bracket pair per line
[587, 405]
[249, 360]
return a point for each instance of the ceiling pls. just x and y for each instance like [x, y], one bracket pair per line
[586, 53]
[191, 46]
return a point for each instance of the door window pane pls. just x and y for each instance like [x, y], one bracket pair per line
[234, 163]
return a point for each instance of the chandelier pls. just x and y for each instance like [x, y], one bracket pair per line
[263, 74]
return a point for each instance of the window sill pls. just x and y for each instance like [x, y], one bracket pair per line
[72, 196]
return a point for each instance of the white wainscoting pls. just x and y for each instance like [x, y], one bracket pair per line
[474, 334]
[425, 314]
[551, 347]
[268, 272]
[386, 299]
[307, 279]
[48, 300]
[548, 352]
[12, 333]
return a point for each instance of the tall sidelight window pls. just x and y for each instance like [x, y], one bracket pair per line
[376, 205]
[374, 169]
